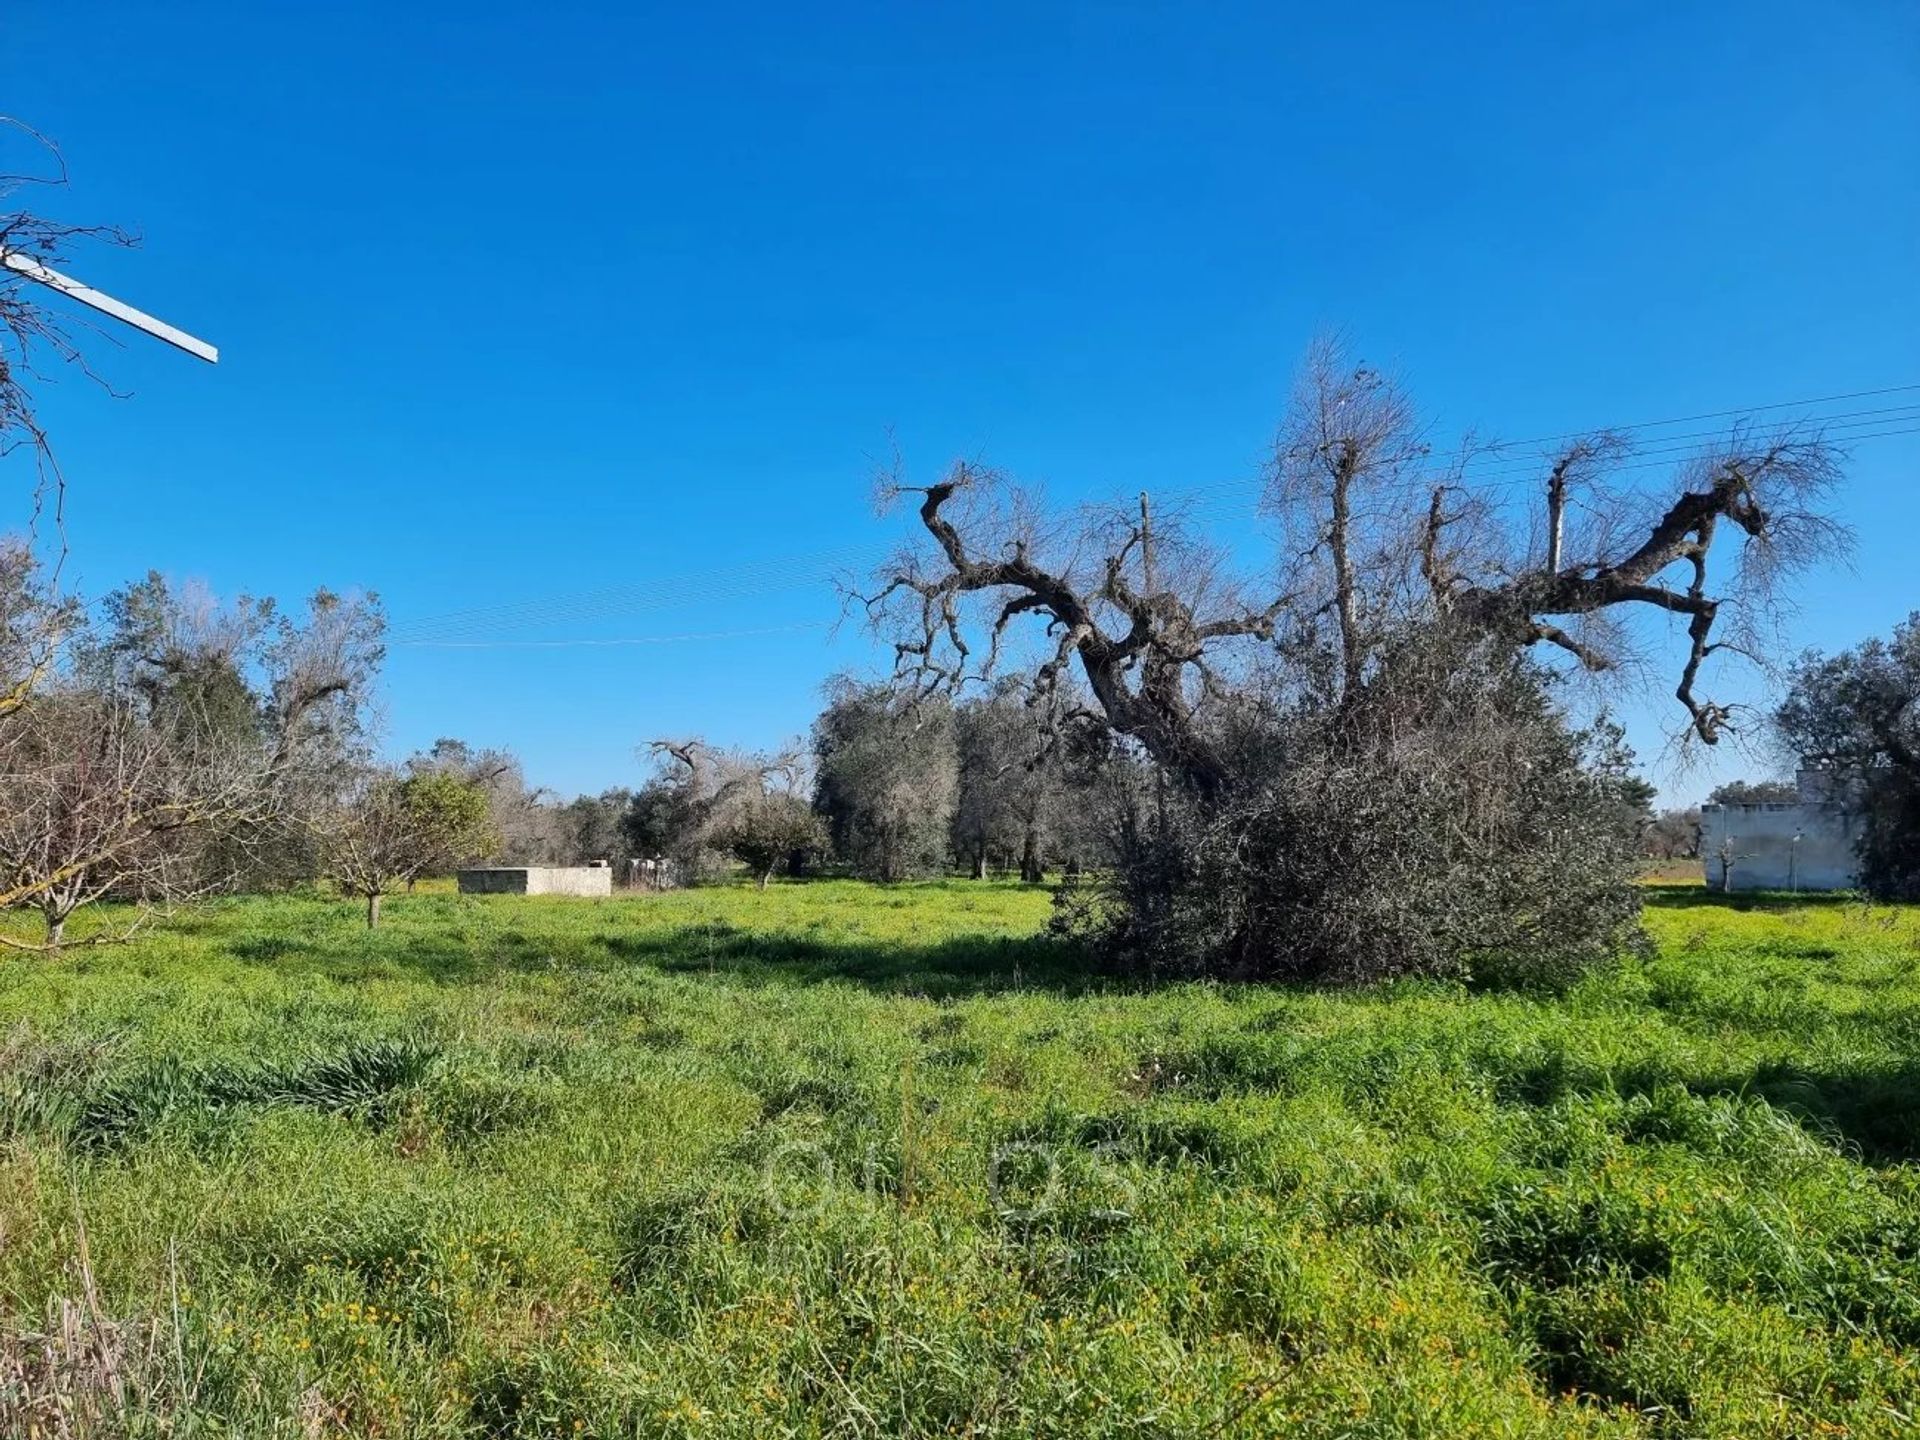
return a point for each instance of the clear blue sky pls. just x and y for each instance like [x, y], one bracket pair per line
[518, 302]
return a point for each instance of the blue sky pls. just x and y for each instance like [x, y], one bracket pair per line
[521, 303]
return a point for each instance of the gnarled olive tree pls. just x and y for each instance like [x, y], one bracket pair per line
[1404, 601]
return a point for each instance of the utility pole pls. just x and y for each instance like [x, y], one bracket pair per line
[1146, 545]
[1556, 515]
[1146, 589]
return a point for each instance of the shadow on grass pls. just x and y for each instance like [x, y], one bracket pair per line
[352, 957]
[962, 966]
[956, 967]
[1869, 1107]
[1706, 897]
[441, 944]
[1874, 1107]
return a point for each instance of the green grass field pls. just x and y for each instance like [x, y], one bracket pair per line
[841, 1160]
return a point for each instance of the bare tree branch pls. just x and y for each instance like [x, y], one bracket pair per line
[1359, 567]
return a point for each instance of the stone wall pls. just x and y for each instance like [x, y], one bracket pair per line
[537, 880]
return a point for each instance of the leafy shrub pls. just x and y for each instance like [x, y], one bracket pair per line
[1443, 821]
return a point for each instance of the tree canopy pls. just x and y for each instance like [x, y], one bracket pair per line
[1857, 714]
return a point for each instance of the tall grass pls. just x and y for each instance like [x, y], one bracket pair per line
[842, 1160]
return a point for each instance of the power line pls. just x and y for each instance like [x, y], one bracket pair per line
[1665, 457]
[632, 640]
[1529, 468]
[1697, 439]
[1743, 410]
[1493, 472]
[753, 578]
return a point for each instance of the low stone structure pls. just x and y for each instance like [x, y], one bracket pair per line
[537, 880]
[1809, 844]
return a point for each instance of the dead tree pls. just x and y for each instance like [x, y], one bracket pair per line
[749, 805]
[157, 783]
[1376, 535]
[1359, 766]
[97, 803]
[1140, 651]
[33, 334]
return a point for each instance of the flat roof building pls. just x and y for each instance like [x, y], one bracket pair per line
[587, 880]
[1807, 844]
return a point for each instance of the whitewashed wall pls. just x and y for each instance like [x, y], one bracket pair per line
[1808, 846]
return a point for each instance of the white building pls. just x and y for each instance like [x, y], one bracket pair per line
[1809, 844]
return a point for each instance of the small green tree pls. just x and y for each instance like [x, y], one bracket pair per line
[591, 826]
[452, 818]
[396, 829]
[658, 820]
[763, 829]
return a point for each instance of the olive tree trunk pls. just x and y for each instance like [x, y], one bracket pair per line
[1030, 870]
